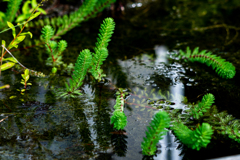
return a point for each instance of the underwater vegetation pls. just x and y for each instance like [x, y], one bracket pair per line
[194, 127]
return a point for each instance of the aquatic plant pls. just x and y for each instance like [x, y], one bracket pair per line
[101, 52]
[88, 9]
[154, 133]
[86, 62]
[223, 68]
[202, 107]
[119, 119]
[193, 139]
[53, 48]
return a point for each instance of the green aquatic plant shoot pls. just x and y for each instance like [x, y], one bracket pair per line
[53, 48]
[80, 70]
[202, 107]
[86, 62]
[154, 133]
[193, 139]
[119, 119]
[101, 52]
[223, 68]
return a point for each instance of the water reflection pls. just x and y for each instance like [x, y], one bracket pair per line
[169, 147]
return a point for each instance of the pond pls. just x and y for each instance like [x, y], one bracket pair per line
[36, 124]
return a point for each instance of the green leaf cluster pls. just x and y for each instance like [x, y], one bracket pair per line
[82, 64]
[223, 68]
[193, 139]
[12, 8]
[119, 119]
[202, 107]
[25, 78]
[87, 61]
[54, 49]
[101, 52]
[27, 11]
[224, 123]
[154, 133]
[88, 9]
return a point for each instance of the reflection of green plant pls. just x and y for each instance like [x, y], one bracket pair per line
[223, 68]
[154, 132]
[119, 119]
[26, 11]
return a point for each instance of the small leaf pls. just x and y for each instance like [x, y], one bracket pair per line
[17, 40]
[10, 25]
[12, 97]
[25, 33]
[35, 15]
[6, 66]
[10, 59]
[26, 8]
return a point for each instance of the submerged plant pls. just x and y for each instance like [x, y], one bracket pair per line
[223, 68]
[154, 133]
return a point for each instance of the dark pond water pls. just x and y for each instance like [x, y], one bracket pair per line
[37, 125]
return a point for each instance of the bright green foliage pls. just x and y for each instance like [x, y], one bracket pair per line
[154, 133]
[101, 52]
[89, 9]
[119, 119]
[47, 33]
[193, 139]
[25, 77]
[80, 70]
[54, 49]
[223, 68]
[197, 110]
[12, 8]
[27, 11]
[17, 39]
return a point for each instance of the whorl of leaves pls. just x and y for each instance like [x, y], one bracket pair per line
[47, 33]
[101, 52]
[154, 133]
[12, 8]
[193, 139]
[197, 110]
[119, 119]
[88, 9]
[223, 68]
[80, 70]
